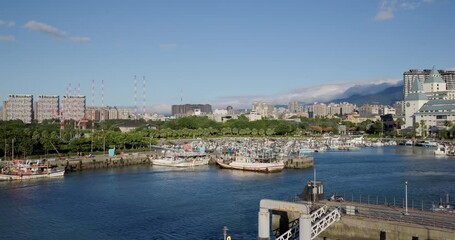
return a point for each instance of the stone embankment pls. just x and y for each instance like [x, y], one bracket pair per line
[83, 163]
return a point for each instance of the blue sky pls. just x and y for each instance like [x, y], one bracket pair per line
[218, 52]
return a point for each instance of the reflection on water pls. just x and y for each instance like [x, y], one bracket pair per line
[196, 203]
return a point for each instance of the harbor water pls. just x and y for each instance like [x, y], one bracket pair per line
[145, 202]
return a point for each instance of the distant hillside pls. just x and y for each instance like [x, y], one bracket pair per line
[387, 96]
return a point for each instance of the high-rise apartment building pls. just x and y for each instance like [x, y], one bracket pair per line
[189, 109]
[18, 107]
[47, 107]
[265, 109]
[347, 108]
[294, 107]
[319, 110]
[333, 109]
[73, 107]
[415, 74]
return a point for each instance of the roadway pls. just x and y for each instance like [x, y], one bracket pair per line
[438, 219]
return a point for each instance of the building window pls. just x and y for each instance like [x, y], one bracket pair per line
[382, 236]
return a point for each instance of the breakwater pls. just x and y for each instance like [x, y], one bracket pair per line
[80, 164]
[75, 164]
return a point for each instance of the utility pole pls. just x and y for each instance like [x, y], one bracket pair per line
[406, 197]
[6, 145]
[12, 149]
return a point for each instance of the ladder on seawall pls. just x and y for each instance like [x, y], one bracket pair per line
[320, 220]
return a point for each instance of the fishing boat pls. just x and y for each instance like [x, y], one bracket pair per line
[251, 164]
[29, 169]
[181, 159]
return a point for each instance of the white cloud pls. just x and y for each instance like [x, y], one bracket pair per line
[409, 5]
[45, 28]
[54, 32]
[7, 23]
[168, 46]
[78, 39]
[388, 8]
[451, 69]
[7, 38]
[319, 93]
[384, 15]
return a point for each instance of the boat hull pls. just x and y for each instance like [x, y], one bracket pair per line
[170, 163]
[256, 167]
[11, 177]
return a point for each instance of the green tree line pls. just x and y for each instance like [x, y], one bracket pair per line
[47, 137]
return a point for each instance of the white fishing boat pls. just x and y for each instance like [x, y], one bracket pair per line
[251, 164]
[29, 169]
[181, 159]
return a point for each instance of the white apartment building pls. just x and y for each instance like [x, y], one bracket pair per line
[319, 110]
[47, 107]
[73, 107]
[429, 103]
[347, 108]
[294, 107]
[264, 109]
[333, 109]
[414, 74]
[18, 107]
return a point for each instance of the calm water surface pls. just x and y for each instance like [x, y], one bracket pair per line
[166, 203]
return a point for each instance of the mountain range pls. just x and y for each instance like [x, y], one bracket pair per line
[372, 95]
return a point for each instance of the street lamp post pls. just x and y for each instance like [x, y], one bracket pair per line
[406, 197]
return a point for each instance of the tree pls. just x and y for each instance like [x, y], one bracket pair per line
[422, 128]
[414, 129]
[270, 131]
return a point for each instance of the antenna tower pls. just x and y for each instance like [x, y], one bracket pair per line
[135, 95]
[93, 105]
[102, 100]
[79, 112]
[69, 113]
[143, 95]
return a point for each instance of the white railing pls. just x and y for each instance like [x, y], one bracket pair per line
[290, 234]
[293, 232]
[318, 213]
[325, 222]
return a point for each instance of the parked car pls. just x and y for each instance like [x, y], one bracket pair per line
[336, 198]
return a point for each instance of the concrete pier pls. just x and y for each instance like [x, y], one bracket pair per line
[299, 162]
[79, 164]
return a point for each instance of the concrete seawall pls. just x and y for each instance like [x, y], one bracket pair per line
[360, 228]
[299, 162]
[79, 164]
[82, 163]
